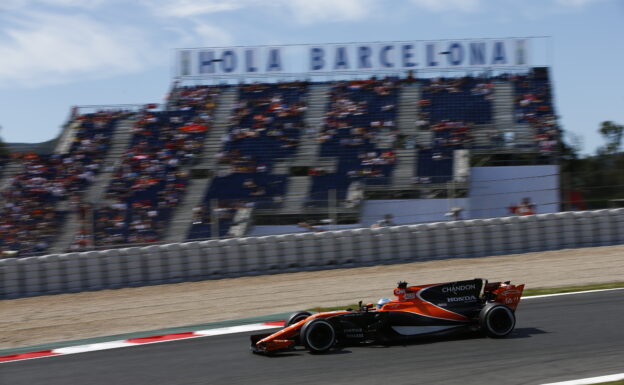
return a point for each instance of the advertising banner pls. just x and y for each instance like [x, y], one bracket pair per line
[353, 57]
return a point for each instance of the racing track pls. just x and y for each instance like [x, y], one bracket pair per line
[556, 338]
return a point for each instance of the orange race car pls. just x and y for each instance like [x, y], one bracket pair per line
[439, 308]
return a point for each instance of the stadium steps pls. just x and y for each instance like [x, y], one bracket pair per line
[482, 134]
[196, 189]
[328, 163]
[405, 168]
[67, 137]
[307, 152]
[407, 114]
[10, 170]
[408, 108]
[212, 140]
[95, 192]
[517, 134]
[119, 144]
[298, 188]
[317, 104]
[308, 149]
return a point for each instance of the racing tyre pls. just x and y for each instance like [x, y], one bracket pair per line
[318, 335]
[296, 317]
[497, 320]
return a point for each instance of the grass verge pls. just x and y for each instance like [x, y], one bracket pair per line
[527, 293]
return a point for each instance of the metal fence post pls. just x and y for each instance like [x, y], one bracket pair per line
[333, 208]
[214, 219]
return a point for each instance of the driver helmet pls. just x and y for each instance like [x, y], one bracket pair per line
[382, 302]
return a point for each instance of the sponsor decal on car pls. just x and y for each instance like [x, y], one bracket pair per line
[455, 289]
[354, 333]
[467, 298]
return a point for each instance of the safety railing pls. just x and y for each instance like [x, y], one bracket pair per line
[192, 261]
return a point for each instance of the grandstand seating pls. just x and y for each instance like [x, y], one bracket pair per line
[30, 217]
[533, 97]
[359, 132]
[266, 123]
[151, 179]
[435, 165]
[357, 112]
[464, 99]
[266, 126]
[533, 103]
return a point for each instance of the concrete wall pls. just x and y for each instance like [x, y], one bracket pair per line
[258, 231]
[494, 189]
[138, 266]
[408, 211]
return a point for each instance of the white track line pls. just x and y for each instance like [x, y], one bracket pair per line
[571, 293]
[592, 380]
[234, 329]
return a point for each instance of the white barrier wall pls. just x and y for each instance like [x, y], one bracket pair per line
[139, 266]
[492, 189]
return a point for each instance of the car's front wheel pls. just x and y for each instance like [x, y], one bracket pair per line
[318, 335]
[297, 317]
[497, 320]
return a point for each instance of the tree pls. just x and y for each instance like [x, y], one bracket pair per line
[612, 134]
[4, 150]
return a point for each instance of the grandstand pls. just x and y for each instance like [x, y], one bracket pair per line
[217, 160]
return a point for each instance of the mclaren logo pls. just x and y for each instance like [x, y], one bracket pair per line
[455, 289]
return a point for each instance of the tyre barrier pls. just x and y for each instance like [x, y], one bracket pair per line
[201, 260]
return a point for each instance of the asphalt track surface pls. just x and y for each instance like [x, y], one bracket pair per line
[556, 339]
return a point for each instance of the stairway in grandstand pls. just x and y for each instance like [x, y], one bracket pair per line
[196, 189]
[518, 135]
[408, 108]
[95, 192]
[406, 121]
[8, 172]
[307, 152]
[14, 167]
[119, 144]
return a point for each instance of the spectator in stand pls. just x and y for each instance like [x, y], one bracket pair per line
[30, 219]
[385, 222]
[524, 208]
[266, 122]
[534, 106]
[152, 178]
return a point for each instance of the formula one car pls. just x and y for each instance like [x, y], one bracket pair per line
[432, 309]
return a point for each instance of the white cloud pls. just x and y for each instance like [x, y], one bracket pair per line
[186, 8]
[448, 5]
[319, 11]
[301, 11]
[199, 34]
[206, 34]
[29, 4]
[575, 3]
[52, 48]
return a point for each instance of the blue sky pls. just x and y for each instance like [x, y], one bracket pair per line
[59, 53]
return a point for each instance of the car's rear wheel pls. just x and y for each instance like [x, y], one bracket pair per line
[497, 320]
[297, 317]
[318, 335]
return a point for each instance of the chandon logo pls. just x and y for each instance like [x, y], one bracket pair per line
[455, 289]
